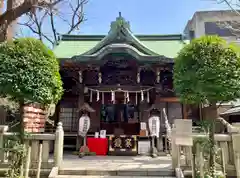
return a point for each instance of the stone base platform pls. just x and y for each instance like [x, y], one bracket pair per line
[116, 166]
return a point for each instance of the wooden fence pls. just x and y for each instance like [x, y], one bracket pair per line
[38, 146]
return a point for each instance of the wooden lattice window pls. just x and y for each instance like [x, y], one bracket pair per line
[69, 118]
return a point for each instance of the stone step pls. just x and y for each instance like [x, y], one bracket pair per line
[71, 176]
[109, 172]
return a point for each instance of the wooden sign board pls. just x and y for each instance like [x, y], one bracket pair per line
[123, 145]
[103, 133]
[144, 147]
[183, 132]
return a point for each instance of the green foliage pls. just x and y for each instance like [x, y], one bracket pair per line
[8, 104]
[207, 175]
[207, 69]
[29, 72]
[17, 153]
[204, 145]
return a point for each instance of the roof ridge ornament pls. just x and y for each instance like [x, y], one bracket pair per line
[120, 22]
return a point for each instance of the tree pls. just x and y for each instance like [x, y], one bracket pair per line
[29, 73]
[16, 8]
[208, 71]
[70, 13]
[234, 24]
[38, 12]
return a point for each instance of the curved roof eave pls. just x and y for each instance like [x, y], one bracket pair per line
[140, 44]
[123, 48]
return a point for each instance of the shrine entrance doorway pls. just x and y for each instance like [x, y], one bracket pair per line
[120, 113]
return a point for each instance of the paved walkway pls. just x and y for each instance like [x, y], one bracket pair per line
[116, 163]
[67, 176]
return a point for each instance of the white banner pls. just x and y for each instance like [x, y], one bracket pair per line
[154, 125]
[84, 125]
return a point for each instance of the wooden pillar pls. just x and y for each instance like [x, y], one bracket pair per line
[185, 115]
[79, 104]
[236, 152]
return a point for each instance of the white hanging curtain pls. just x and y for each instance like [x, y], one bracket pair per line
[128, 97]
[98, 96]
[142, 95]
[113, 96]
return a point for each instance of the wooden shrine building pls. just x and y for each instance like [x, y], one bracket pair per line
[120, 76]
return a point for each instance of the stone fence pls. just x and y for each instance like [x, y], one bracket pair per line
[186, 158]
[38, 147]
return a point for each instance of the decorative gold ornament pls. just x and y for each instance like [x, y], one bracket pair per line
[128, 143]
[118, 143]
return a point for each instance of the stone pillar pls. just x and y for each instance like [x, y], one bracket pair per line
[174, 150]
[236, 152]
[158, 72]
[58, 146]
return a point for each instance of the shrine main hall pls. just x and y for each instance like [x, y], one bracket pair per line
[118, 78]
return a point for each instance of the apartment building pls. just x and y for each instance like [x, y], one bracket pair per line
[224, 23]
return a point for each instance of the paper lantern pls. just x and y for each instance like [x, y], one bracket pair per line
[154, 125]
[84, 125]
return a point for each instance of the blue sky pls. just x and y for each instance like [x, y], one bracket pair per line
[145, 16]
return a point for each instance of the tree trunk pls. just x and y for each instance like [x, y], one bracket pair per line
[3, 33]
[21, 115]
[213, 113]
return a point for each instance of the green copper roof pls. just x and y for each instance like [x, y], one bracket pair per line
[119, 35]
[70, 48]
